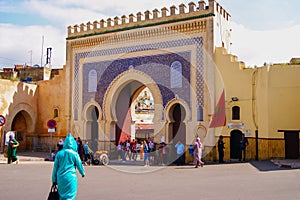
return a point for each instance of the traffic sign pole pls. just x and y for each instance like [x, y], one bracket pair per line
[51, 128]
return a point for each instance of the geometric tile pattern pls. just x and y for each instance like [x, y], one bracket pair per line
[107, 70]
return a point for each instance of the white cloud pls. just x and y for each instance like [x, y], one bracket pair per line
[271, 46]
[17, 42]
[251, 46]
[71, 12]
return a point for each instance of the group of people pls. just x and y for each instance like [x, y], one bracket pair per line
[131, 149]
[82, 149]
[243, 144]
[157, 154]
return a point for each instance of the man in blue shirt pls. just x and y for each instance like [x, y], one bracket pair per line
[244, 143]
[180, 153]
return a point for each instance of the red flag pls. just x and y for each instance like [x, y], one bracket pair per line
[219, 118]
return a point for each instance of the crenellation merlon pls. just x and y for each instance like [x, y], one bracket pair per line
[116, 20]
[124, 18]
[172, 10]
[139, 16]
[182, 8]
[192, 6]
[147, 14]
[155, 13]
[102, 22]
[201, 5]
[131, 18]
[222, 12]
[164, 15]
[164, 11]
[108, 22]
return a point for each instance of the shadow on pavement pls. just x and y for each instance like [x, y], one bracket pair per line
[268, 165]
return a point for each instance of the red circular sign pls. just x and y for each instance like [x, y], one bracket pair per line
[51, 123]
[2, 120]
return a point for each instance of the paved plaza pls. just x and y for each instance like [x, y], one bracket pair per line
[233, 181]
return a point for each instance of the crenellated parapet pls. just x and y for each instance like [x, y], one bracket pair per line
[222, 12]
[147, 19]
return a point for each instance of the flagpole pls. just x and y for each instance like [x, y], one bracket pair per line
[42, 51]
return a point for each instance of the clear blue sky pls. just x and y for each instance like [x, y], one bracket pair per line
[263, 31]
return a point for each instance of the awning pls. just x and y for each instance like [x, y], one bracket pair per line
[144, 126]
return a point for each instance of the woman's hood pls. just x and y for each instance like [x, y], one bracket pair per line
[70, 142]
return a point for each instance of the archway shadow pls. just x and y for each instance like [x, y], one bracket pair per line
[268, 165]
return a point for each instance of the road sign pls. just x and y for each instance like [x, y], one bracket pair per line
[51, 123]
[2, 120]
[51, 130]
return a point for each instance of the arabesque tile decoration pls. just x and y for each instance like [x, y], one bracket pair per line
[108, 70]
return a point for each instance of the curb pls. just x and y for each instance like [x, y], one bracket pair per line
[20, 158]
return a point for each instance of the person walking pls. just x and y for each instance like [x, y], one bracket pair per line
[60, 145]
[221, 149]
[244, 143]
[64, 174]
[197, 147]
[180, 152]
[146, 154]
[86, 151]
[12, 150]
[80, 148]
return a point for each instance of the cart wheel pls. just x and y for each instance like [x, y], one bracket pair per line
[104, 159]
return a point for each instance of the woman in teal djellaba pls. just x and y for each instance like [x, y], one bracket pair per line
[64, 170]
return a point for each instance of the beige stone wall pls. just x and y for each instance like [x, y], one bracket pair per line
[279, 92]
[269, 99]
[17, 97]
[36, 104]
[52, 96]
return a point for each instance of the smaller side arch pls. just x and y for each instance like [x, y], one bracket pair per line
[88, 106]
[171, 104]
[30, 117]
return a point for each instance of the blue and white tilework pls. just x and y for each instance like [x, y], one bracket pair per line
[156, 66]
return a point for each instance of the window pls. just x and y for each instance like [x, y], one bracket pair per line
[235, 113]
[176, 74]
[92, 85]
[55, 112]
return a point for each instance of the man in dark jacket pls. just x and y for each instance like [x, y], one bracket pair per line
[221, 149]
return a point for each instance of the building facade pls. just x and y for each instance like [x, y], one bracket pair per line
[178, 55]
[110, 62]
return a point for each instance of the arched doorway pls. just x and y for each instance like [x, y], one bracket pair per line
[123, 110]
[134, 113]
[178, 128]
[19, 125]
[235, 145]
[92, 127]
[119, 98]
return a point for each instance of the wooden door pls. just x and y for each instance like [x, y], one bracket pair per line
[291, 139]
